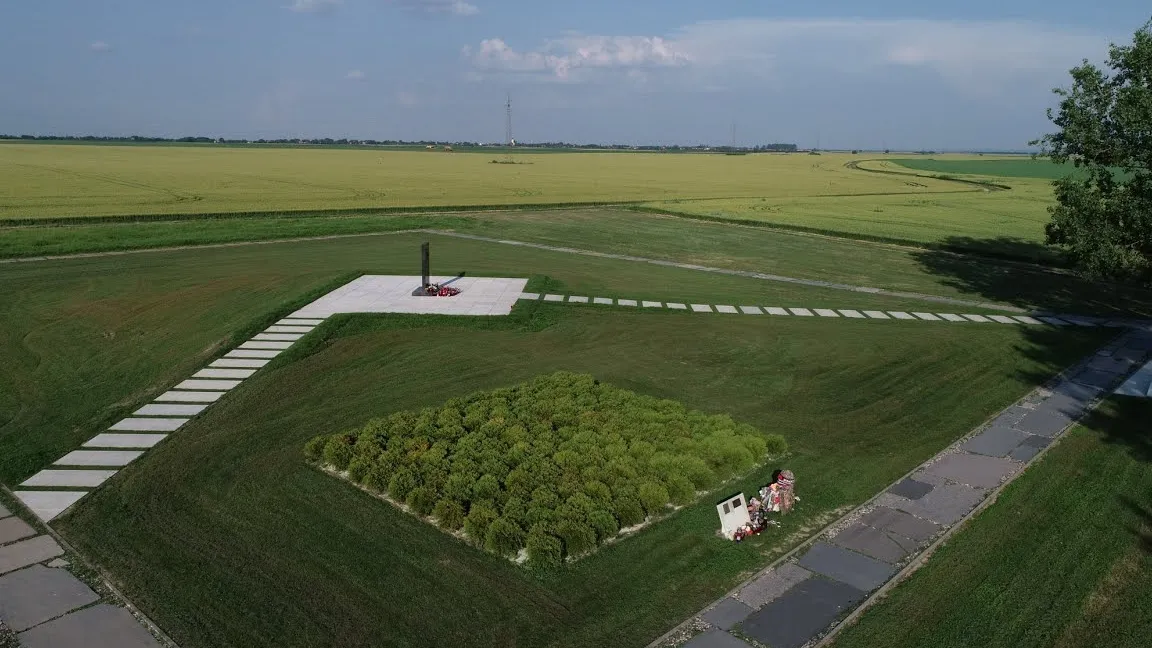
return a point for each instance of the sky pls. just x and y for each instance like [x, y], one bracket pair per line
[898, 74]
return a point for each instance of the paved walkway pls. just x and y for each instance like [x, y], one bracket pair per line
[47, 606]
[802, 597]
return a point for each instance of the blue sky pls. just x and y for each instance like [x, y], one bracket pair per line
[899, 73]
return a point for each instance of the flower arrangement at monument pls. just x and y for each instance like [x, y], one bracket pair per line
[547, 470]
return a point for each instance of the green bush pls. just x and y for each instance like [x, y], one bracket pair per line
[449, 514]
[565, 460]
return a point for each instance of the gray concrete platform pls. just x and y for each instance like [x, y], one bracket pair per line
[911, 489]
[37, 594]
[142, 424]
[90, 458]
[727, 613]
[107, 440]
[715, 639]
[996, 441]
[772, 585]
[859, 571]
[393, 294]
[946, 504]
[156, 409]
[25, 553]
[974, 470]
[875, 543]
[61, 478]
[900, 523]
[99, 626]
[1047, 422]
[794, 618]
[47, 505]
[1011, 416]
[13, 529]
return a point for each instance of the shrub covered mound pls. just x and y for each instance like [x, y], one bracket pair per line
[558, 465]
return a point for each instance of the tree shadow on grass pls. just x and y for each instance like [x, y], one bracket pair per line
[1028, 285]
[1143, 528]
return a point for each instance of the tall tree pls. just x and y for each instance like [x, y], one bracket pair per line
[1103, 215]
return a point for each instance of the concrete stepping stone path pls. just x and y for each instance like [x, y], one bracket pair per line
[108, 440]
[48, 504]
[99, 458]
[142, 424]
[156, 409]
[60, 478]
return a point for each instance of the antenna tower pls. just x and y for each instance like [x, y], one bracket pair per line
[509, 142]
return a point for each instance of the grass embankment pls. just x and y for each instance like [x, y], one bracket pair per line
[226, 518]
[1062, 560]
[86, 340]
[69, 181]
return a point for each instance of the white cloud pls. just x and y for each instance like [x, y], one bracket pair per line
[314, 6]
[440, 7]
[355, 75]
[100, 46]
[970, 54]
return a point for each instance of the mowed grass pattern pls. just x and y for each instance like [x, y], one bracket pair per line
[1061, 560]
[227, 519]
[72, 181]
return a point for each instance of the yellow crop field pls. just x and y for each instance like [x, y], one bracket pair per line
[41, 181]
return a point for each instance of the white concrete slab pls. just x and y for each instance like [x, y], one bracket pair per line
[1003, 319]
[852, 314]
[530, 296]
[802, 312]
[208, 385]
[169, 410]
[578, 299]
[243, 363]
[69, 478]
[976, 318]
[300, 322]
[827, 312]
[676, 306]
[1078, 321]
[626, 302]
[1024, 319]
[108, 440]
[652, 304]
[301, 330]
[731, 310]
[605, 301]
[877, 314]
[547, 298]
[102, 458]
[149, 424]
[48, 505]
[393, 294]
[701, 308]
[951, 317]
[751, 310]
[927, 317]
[224, 373]
[251, 353]
[776, 310]
[1054, 321]
[1139, 384]
[262, 344]
[278, 337]
[189, 397]
[901, 315]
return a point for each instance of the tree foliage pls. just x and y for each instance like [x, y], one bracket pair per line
[1103, 215]
[558, 465]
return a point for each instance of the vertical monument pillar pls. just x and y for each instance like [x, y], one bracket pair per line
[425, 272]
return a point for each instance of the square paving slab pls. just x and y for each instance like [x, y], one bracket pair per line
[976, 318]
[224, 373]
[626, 302]
[13, 529]
[264, 345]
[252, 353]
[877, 314]
[751, 310]
[37, 594]
[149, 424]
[108, 440]
[278, 337]
[1054, 321]
[946, 504]
[900, 523]
[1095, 378]
[49, 504]
[873, 542]
[208, 385]
[974, 470]
[289, 329]
[100, 626]
[169, 410]
[826, 312]
[295, 321]
[727, 613]
[802, 312]
[857, 570]
[530, 296]
[951, 317]
[802, 613]
[701, 308]
[238, 363]
[776, 310]
[715, 639]
[19, 555]
[854, 314]
[653, 304]
[674, 306]
[996, 441]
[90, 458]
[69, 478]
[772, 585]
[1047, 422]
[603, 301]
[554, 298]
[911, 488]
[578, 300]
[1011, 416]
[928, 317]
[901, 315]
[1002, 319]
[731, 310]
[1024, 319]
[393, 294]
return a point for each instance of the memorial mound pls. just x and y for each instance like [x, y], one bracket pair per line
[547, 470]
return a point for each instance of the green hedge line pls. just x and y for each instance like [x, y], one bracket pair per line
[557, 466]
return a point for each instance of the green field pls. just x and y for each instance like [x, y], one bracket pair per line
[1061, 560]
[84, 181]
[1013, 167]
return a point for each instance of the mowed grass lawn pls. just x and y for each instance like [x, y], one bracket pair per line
[1000, 167]
[77, 181]
[1062, 560]
[226, 537]
[85, 340]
